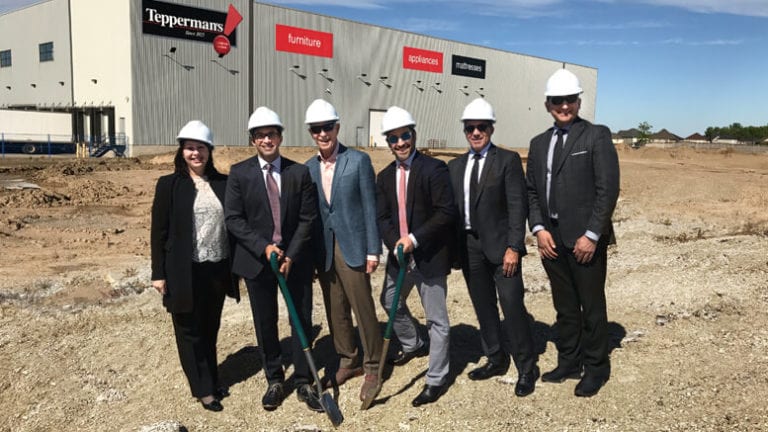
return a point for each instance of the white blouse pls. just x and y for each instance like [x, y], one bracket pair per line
[208, 229]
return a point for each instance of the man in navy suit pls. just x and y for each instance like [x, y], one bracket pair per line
[415, 209]
[493, 207]
[573, 186]
[270, 207]
[348, 246]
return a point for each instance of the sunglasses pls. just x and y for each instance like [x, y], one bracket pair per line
[482, 127]
[559, 100]
[262, 136]
[323, 127]
[392, 139]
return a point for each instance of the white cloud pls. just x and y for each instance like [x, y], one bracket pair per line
[619, 26]
[757, 8]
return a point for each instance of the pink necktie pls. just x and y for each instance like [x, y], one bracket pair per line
[274, 204]
[401, 197]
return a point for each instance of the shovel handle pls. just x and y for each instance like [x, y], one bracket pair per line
[396, 298]
[288, 301]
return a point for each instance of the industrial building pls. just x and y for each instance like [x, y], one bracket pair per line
[135, 71]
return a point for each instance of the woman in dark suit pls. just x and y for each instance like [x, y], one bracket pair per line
[190, 258]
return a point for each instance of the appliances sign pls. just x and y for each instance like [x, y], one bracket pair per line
[423, 60]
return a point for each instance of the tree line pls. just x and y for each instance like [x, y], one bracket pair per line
[736, 130]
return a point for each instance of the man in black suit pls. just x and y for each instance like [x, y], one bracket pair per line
[493, 208]
[414, 208]
[573, 185]
[270, 207]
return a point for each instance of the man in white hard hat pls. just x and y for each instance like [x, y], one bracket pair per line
[270, 208]
[493, 206]
[573, 185]
[348, 248]
[415, 209]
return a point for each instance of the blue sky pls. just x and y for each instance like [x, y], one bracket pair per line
[682, 65]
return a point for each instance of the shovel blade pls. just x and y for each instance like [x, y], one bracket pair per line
[331, 409]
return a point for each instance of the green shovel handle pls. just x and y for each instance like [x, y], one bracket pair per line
[288, 300]
[396, 299]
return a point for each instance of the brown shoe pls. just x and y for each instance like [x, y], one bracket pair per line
[370, 387]
[345, 374]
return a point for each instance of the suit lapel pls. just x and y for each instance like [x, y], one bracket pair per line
[458, 182]
[574, 133]
[411, 191]
[341, 165]
[490, 160]
[286, 187]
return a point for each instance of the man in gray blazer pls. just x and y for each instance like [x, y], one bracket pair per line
[349, 245]
[573, 186]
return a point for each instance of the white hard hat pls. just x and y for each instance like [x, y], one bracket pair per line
[563, 83]
[320, 111]
[196, 130]
[264, 116]
[395, 118]
[478, 109]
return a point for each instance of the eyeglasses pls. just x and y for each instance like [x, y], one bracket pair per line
[559, 100]
[271, 135]
[482, 127]
[323, 127]
[392, 139]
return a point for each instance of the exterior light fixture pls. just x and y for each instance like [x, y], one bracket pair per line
[464, 90]
[364, 79]
[324, 73]
[231, 71]
[295, 70]
[418, 85]
[478, 91]
[33, 85]
[383, 80]
[436, 86]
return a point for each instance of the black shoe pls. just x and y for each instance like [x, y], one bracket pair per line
[490, 369]
[526, 383]
[220, 393]
[309, 396]
[589, 385]
[273, 397]
[214, 406]
[428, 395]
[404, 357]
[561, 373]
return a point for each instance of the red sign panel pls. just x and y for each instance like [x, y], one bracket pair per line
[424, 60]
[303, 41]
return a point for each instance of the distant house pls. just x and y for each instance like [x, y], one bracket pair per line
[697, 138]
[629, 136]
[664, 136]
[725, 139]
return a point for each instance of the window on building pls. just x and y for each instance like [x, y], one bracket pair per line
[5, 58]
[46, 51]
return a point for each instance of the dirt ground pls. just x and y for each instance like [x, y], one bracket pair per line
[85, 344]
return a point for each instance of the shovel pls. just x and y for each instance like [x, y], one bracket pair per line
[388, 332]
[329, 405]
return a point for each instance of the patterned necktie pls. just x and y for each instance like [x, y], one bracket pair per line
[474, 190]
[273, 192]
[556, 155]
[401, 201]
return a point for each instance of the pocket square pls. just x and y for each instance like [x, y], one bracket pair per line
[579, 153]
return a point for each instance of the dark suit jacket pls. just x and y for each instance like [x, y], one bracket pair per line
[249, 217]
[430, 213]
[351, 214]
[502, 205]
[585, 181]
[171, 238]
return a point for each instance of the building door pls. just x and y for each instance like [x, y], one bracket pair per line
[374, 125]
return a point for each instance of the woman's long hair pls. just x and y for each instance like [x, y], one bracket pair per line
[182, 169]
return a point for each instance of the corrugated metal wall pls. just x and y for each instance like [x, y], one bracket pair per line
[514, 83]
[166, 95]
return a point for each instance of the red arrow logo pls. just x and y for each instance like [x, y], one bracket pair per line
[233, 19]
